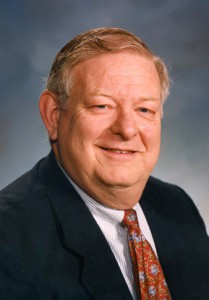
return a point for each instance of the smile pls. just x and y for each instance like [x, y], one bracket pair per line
[119, 151]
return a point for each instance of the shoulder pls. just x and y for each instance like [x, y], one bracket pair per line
[156, 188]
[164, 188]
[20, 215]
[20, 190]
[25, 218]
[171, 201]
[23, 205]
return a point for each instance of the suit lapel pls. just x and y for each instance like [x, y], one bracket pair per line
[162, 217]
[160, 225]
[80, 235]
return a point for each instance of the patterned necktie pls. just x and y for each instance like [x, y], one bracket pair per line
[148, 273]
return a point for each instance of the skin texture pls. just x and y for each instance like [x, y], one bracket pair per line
[108, 137]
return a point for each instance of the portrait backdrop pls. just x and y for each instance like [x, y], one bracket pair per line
[32, 32]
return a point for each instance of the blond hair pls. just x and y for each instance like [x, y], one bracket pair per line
[92, 43]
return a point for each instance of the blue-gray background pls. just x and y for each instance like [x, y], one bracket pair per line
[33, 31]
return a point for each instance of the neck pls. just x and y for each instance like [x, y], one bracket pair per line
[116, 197]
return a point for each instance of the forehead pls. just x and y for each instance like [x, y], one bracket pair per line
[116, 69]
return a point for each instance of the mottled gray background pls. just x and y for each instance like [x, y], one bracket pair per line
[33, 31]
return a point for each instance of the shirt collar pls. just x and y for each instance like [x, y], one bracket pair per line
[97, 209]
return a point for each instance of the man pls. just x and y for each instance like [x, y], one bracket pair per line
[62, 229]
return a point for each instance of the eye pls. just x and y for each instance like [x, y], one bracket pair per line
[101, 106]
[147, 113]
[145, 110]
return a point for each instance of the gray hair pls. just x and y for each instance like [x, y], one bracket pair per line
[92, 43]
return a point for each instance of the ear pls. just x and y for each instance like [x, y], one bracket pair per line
[49, 111]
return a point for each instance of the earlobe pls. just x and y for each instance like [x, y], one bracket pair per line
[49, 111]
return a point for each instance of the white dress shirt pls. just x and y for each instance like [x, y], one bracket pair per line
[109, 220]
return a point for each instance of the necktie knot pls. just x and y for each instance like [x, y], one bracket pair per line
[130, 220]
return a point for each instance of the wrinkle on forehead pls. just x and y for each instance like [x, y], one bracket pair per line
[104, 72]
[107, 61]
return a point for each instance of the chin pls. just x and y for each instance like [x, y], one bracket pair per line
[121, 181]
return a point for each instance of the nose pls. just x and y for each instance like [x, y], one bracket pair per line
[124, 125]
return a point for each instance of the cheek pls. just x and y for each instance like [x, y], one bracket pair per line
[82, 137]
[151, 134]
[90, 128]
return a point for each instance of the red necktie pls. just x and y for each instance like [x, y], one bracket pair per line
[148, 274]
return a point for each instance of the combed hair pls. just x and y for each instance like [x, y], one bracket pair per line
[92, 43]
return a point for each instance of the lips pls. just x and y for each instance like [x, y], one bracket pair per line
[120, 151]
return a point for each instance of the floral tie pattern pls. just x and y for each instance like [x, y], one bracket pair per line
[148, 273]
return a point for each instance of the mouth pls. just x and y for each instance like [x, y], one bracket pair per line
[119, 151]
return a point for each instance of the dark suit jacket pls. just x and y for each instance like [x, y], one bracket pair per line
[51, 247]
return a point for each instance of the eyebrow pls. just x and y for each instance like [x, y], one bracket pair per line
[98, 93]
[150, 99]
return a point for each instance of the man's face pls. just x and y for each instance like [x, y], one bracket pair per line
[109, 133]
